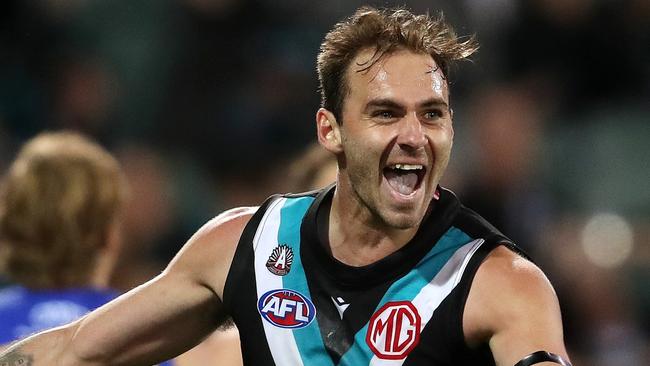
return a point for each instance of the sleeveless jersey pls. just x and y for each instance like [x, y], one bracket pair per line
[24, 311]
[295, 304]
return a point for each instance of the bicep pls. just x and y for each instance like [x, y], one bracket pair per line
[149, 324]
[171, 313]
[534, 324]
[525, 316]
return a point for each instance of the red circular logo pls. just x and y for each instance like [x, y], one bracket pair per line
[394, 330]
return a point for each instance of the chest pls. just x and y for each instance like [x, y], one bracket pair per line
[313, 312]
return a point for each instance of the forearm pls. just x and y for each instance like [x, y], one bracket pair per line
[42, 349]
[151, 323]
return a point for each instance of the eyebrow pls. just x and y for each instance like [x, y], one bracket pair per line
[390, 103]
[434, 102]
[383, 103]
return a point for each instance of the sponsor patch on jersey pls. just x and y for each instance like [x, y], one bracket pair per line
[280, 260]
[394, 330]
[286, 308]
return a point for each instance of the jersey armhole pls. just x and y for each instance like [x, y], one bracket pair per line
[244, 249]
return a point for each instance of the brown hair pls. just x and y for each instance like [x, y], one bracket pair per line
[387, 31]
[57, 204]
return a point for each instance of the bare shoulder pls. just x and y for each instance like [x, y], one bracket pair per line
[209, 252]
[227, 225]
[513, 306]
[514, 278]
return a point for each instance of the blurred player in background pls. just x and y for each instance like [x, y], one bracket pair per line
[60, 209]
[60, 232]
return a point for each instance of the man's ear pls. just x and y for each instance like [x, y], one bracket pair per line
[328, 129]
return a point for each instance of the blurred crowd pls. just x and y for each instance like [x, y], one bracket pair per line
[208, 102]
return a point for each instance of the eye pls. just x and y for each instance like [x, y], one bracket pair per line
[384, 114]
[433, 114]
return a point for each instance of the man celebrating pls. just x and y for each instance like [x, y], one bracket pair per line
[384, 267]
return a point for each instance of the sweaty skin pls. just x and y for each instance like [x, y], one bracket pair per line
[396, 113]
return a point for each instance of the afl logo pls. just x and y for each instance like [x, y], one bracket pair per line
[286, 309]
[394, 330]
[280, 260]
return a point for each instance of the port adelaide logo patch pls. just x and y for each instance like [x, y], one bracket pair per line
[286, 308]
[394, 330]
[280, 260]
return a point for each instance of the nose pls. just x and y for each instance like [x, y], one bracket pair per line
[411, 133]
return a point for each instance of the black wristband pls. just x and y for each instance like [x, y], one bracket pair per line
[542, 356]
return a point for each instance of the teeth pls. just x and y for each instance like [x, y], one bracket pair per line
[407, 166]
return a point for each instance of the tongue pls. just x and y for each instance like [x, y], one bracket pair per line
[403, 183]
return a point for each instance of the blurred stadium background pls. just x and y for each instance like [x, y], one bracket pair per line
[207, 102]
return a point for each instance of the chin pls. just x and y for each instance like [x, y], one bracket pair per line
[402, 221]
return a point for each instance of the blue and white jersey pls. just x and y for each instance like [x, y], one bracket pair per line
[295, 304]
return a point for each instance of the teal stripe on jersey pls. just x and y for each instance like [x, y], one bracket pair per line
[406, 288]
[308, 339]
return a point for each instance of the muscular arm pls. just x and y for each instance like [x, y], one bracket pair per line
[513, 307]
[153, 322]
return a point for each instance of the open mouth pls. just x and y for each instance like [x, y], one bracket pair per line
[405, 178]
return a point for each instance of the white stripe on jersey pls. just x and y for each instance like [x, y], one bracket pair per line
[431, 295]
[280, 340]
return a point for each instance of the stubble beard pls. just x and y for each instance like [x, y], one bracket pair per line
[378, 213]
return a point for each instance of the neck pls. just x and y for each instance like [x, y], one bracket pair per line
[358, 237]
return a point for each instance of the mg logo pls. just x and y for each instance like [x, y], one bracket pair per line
[394, 330]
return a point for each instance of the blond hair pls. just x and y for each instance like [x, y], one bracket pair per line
[385, 31]
[57, 204]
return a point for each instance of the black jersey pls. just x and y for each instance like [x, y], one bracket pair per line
[295, 304]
